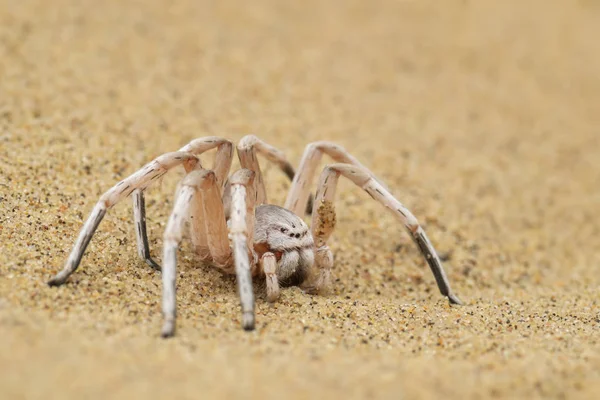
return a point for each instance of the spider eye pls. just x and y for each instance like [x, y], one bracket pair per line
[283, 230]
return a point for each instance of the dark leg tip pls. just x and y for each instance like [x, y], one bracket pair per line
[455, 300]
[168, 329]
[55, 282]
[248, 321]
[153, 264]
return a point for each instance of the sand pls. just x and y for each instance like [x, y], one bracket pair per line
[481, 116]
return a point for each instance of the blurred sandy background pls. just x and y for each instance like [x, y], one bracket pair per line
[481, 116]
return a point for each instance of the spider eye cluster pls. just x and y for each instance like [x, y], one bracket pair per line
[292, 235]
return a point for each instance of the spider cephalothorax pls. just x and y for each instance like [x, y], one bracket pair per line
[232, 227]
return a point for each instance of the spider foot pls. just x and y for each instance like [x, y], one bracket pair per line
[319, 284]
[57, 280]
[248, 321]
[168, 329]
[312, 289]
[454, 299]
[316, 288]
[272, 297]
[153, 264]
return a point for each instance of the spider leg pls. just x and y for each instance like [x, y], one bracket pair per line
[139, 180]
[241, 232]
[209, 196]
[223, 158]
[198, 188]
[172, 238]
[139, 217]
[221, 166]
[198, 232]
[299, 195]
[247, 148]
[323, 222]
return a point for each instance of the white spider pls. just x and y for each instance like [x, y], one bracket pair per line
[233, 228]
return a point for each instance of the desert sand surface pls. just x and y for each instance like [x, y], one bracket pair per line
[482, 117]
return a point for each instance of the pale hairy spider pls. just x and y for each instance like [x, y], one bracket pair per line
[232, 227]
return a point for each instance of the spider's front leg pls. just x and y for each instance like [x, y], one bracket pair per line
[323, 222]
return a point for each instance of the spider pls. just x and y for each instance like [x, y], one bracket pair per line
[232, 227]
